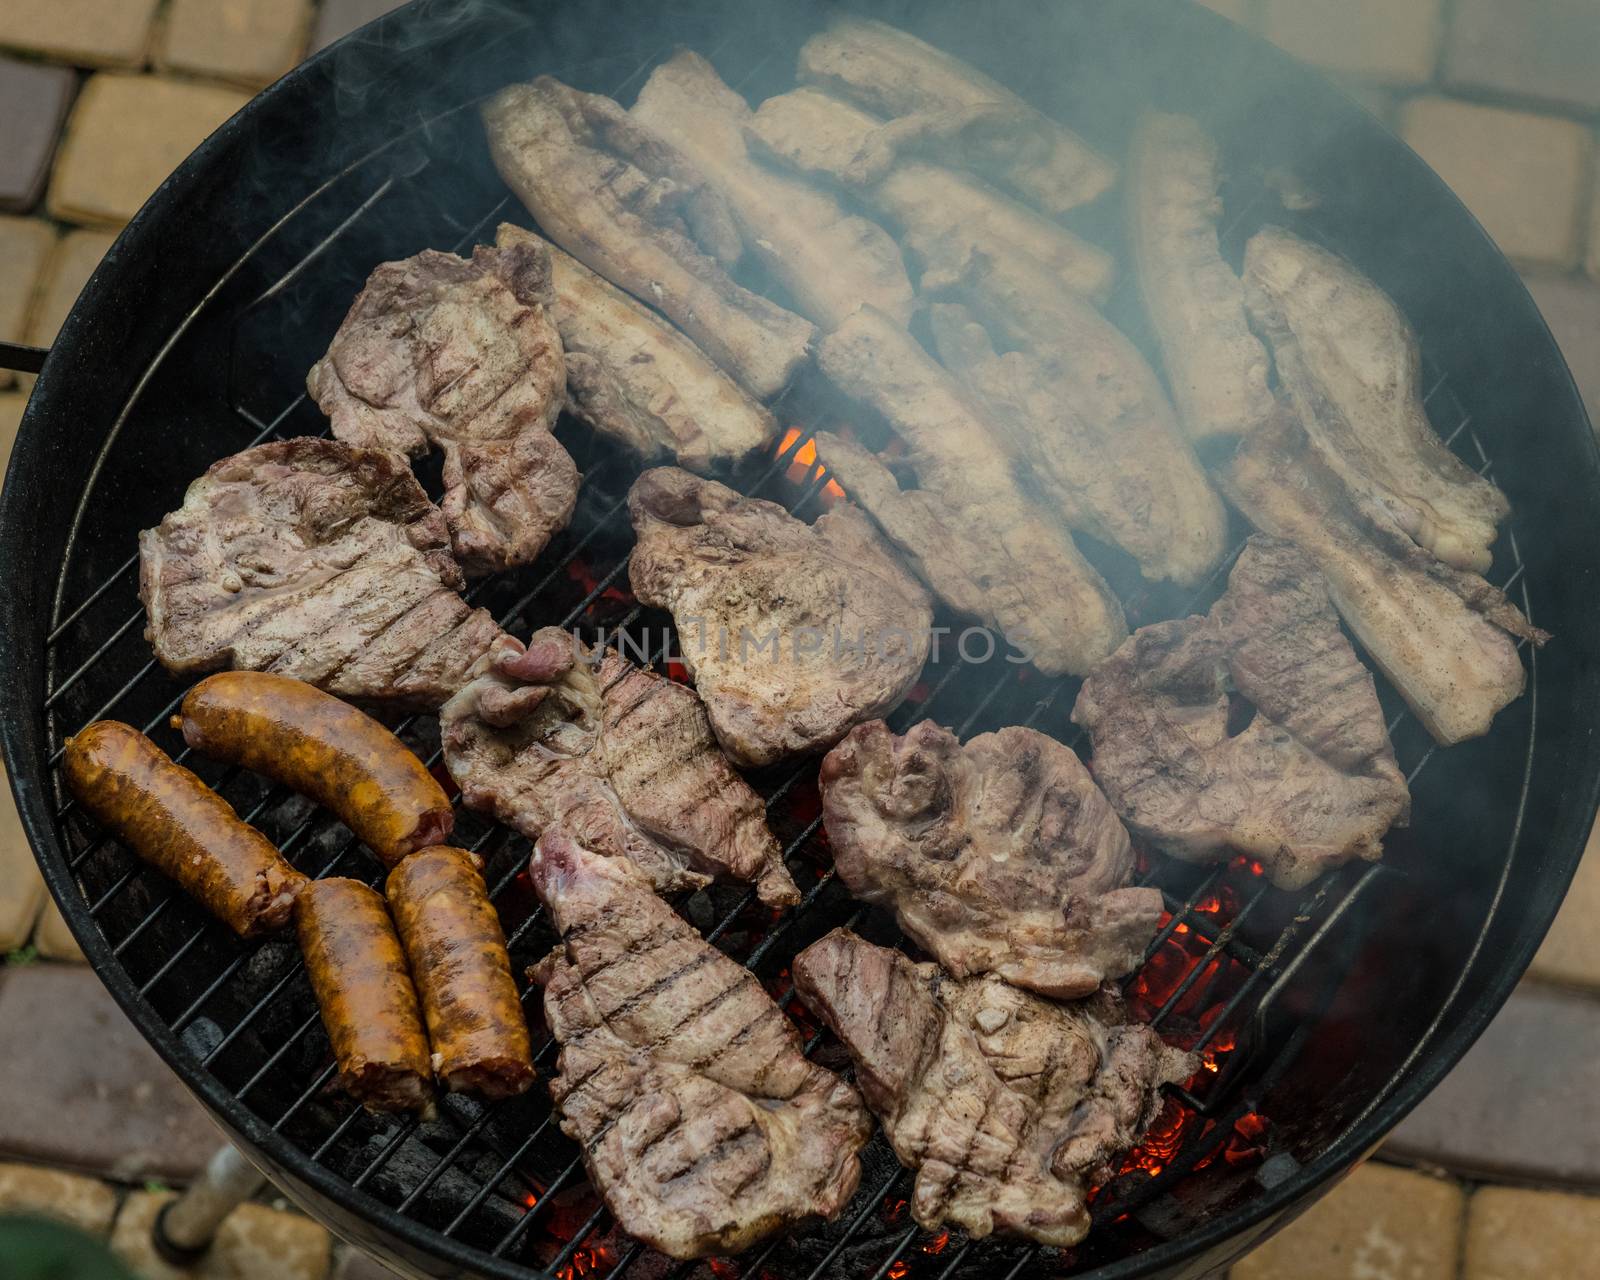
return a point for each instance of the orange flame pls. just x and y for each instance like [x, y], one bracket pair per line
[803, 463]
[937, 1244]
[897, 1271]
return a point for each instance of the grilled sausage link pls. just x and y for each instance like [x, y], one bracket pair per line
[323, 748]
[181, 827]
[364, 990]
[457, 952]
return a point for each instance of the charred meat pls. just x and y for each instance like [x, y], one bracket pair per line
[703, 1126]
[440, 351]
[1001, 856]
[558, 736]
[1008, 1106]
[318, 560]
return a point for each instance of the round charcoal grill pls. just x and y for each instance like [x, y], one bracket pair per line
[1323, 1016]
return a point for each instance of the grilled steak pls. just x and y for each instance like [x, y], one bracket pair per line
[465, 356]
[1008, 1106]
[1308, 784]
[792, 632]
[623, 760]
[998, 857]
[703, 1125]
[318, 560]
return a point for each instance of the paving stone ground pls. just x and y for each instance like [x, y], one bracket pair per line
[255, 1241]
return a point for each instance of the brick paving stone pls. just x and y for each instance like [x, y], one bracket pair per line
[22, 890]
[1395, 41]
[106, 169]
[1524, 1103]
[81, 1087]
[1523, 175]
[1591, 262]
[1513, 1234]
[1544, 49]
[1571, 950]
[253, 1243]
[86, 1203]
[69, 269]
[248, 42]
[1571, 306]
[25, 245]
[53, 939]
[12, 403]
[33, 103]
[355, 1265]
[1380, 1223]
[340, 17]
[89, 33]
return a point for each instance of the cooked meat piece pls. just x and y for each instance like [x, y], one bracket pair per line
[631, 206]
[1311, 781]
[637, 380]
[1351, 366]
[943, 215]
[318, 560]
[1441, 635]
[998, 857]
[624, 760]
[1008, 1106]
[1047, 599]
[828, 260]
[1087, 416]
[1216, 368]
[892, 73]
[463, 355]
[702, 1124]
[792, 632]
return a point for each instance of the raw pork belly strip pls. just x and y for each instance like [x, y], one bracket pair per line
[1008, 1106]
[703, 1126]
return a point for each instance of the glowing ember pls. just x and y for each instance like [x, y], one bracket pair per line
[802, 466]
[897, 1271]
[893, 1211]
[937, 1244]
[590, 1261]
[723, 1269]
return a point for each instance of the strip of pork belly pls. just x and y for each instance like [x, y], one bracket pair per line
[1008, 1106]
[1216, 368]
[618, 199]
[1443, 636]
[1049, 601]
[1353, 370]
[702, 1124]
[1091, 422]
[828, 260]
[943, 215]
[637, 380]
[892, 73]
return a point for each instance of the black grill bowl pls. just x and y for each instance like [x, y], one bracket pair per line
[192, 339]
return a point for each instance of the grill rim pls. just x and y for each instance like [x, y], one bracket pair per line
[23, 649]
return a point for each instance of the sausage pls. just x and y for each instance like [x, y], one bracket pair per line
[457, 953]
[313, 743]
[181, 827]
[364, 990]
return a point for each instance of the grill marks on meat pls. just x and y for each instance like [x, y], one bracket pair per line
[1216, 368]
[555, 736]
[792, 632]
[438, 350]
[1310, 783]
[1001, 856]
[892, 73]
[1026, 575]
[1008, 1106]
[318, 560]
[703, 1125]
[629, 204]
[1353, 371]
[1443, 636]
[828, 260]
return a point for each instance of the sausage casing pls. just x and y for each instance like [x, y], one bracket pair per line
[180, 826]
[457, 953]
[364, 990]
[310, 741]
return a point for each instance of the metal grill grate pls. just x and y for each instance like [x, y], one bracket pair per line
[501, 1177]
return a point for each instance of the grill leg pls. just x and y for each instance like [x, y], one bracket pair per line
[185, 1227]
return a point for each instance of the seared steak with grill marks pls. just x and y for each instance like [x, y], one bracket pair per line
[318, 560]
[792, 632]
[703, 1126]
[466, 356]
[1308, 784]
[622, 759]
[1008, 1106]
[1001, 856]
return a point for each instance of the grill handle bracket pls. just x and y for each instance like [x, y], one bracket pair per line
[22, 359]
